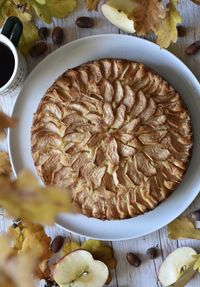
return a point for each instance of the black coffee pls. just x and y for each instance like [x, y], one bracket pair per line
[7, 64]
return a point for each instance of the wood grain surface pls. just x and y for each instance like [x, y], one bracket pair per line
[125, 275]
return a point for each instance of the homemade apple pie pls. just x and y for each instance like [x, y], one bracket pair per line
[115, 134]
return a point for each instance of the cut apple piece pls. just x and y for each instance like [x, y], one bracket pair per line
[116, 11]
[79, 269]
[174, 265]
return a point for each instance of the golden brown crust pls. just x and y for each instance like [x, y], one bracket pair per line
[116, 133]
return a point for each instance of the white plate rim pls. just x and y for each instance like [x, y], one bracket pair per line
[43, 62]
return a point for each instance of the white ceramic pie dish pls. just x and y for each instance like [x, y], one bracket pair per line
[111, 46]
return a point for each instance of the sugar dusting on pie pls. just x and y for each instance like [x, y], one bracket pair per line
[116, 134]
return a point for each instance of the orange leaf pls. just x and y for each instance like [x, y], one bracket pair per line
[147, 16]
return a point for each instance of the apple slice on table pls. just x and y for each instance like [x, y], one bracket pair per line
[116, 11]
[79, 269]
[174, 265]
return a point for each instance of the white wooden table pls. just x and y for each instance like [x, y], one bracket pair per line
[125, 275]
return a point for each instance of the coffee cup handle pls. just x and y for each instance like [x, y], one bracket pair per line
[13, 29]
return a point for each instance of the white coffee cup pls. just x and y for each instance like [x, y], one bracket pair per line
[9, 39]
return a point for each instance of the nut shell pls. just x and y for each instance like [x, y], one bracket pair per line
[152, 252]
[133, 259]
[85, 22]
[57, 35]
[57, 243]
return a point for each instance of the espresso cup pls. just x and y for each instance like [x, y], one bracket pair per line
[13, 68]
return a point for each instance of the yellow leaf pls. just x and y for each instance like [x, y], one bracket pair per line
[5, 250]
[182, 228]
[91, 245]
[30, 31]
[52, 8]
[21, 269]
[31, 237]
[69, 247]
[5, 167]
[15, 270]
[60, 8]
[92, 4]
[6, 122]
[24, 199]
[29, 37]
[147, 16]
[40, 8]
[41, 11]
[185, 277]
[168, 29]
[100, 252]
[5, 281]
[28, 237]
[197, 262]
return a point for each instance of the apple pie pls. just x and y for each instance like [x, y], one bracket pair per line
[115, 134]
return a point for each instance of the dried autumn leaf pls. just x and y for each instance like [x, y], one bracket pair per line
[100, 252]
[1, 16]
[31, 237]
[6, 281]
[185, 277]
[21, 268]
[92, 4]
[91, 245]
[28, 237]
[60, 8]
[69, 247]
[197, 262]
[15, 271]
[30, 31]
[5, 253]
[147, 16]
[167, 32]
[29, 37]
[5, 167]
[182, 228]
[40, 11]
[52, 8]
[23, 198]
[5, 250]
[40, 8]
[6, 122]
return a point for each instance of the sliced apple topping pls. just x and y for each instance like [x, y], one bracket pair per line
[79, 268]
